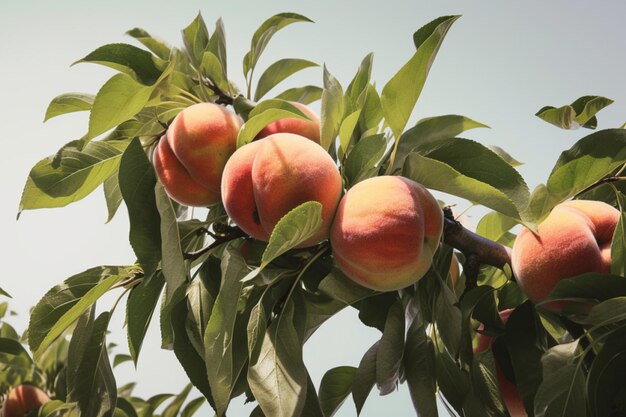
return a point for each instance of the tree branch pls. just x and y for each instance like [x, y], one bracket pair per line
[223, 233]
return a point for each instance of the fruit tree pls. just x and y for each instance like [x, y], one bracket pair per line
[254, 220]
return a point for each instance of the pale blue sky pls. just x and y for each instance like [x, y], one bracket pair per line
[499, 64]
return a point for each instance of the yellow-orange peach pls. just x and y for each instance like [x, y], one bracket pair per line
[574, 239]
[23, 399]
[201, 138]
[385, 232]
[308, 128]
[508, 390]
[266, 179]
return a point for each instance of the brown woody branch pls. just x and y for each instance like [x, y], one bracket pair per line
[222, 234]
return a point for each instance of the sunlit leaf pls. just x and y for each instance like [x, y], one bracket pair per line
[580, 113]
[69, 103]
[335, 386]
[279, 71]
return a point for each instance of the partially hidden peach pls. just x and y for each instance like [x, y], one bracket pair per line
[23, 399]
[266, 179]
[508, 390]
[200, 140]
[310, 129]
[574, 239]
[386, 232]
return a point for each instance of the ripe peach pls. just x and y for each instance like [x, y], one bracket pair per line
[385, 232]
[201, 138]
[574, 239]
[264, 180]
[23, 399]
[508, 390]
[310, 129]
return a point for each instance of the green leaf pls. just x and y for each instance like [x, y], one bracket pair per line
[390, 350]
[590, 159]
[605, 381]
[278, 379]
[305, 95]
[196, 39]
[332, 109]
[119, 99]
[264, 34]
[580, 113]
[172, 263]
[140, 306]
[174, 407]
[505, 156]
[256, 330]
[453, 382]
[14, 348]
[618, 244]
[6, 294]
[607, 312]
[588, 288]
[419, 368]
[90, 379]
[65, 303]
[346, 130]
[217, 45]
[128, 59]
[112, 195]
[137, 181]
[69, 103]
[211, 68]
[358, 87]
[258, 120]
[279, 71]
[400, 94]
[459, 180]
[335, 386]
[220, 350]
[365, 377]
[495, 225]
[427, 134]
[363, 161]
[71, 175]
[292, 229]
[341, 288]
[158, 47]
[192, 406]
[120, 359]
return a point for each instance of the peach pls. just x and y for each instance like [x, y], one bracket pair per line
[386, 232]
[23, 399]
[508, 390]
[310, 129]
[201, 138]
[265, 179]
[574, 239]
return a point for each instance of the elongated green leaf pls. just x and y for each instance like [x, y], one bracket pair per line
[140, 306]
[495, 225]
[137, 181]
[292, 229]
[390, 350]
[580, 113]
[112, 195]
[400, 94]
[441, 176]
[65, 303]
[90, 379]
[618, 244]
[78, 172]
[6, 294]
[590, 159]
[453, 382]
[119, 99]
[258, 121]
[279, 71]
[362, 162]
[158, 47]
[332, 109]
[605, 382]
[427, 134]
[341, 288]
[347, 129]
[278, 379]
[256, 330]
[196, 39]
[174, 407]
[589, 288]
[12, 347]
[128, 59]
[264, 34]
[365, 377]
[357, 89]
[505, 156]
[224, 363]
[192, 406]
[305, 95]
[211, 67]
[419, 367]
[217, 45]
[68, 103]
[335, 386]
[173, 264]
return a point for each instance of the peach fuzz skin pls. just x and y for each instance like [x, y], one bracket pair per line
[23, 399]
[266, 179]
[386, 232]
[310, 129]
[202, 137]
[574, 239]
[508, 390]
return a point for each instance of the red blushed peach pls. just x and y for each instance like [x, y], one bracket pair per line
[310, 129]
[266, 179]
[203, 137]
[386, 232]
[176, 180]
[574, 239]
[23, 399]
[508, 390]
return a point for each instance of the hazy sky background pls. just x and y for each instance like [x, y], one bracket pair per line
[500, 63]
